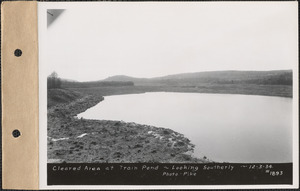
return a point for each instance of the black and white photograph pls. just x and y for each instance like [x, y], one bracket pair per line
[181, 93]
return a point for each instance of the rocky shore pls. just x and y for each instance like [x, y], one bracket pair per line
[74, 140]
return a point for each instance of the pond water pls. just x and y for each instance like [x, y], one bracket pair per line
[224, 127]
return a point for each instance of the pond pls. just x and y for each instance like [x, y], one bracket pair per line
[223, 127]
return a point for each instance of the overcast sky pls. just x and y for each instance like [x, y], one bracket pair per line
[99, 40]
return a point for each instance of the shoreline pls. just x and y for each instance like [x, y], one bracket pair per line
[234, 89]
[212, 93]
[73, 140]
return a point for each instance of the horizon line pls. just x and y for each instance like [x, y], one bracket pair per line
[178, 74]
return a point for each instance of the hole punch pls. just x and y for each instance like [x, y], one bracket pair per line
[18, 52]
[16, 133]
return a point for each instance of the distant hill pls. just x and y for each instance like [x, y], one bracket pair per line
[124, 78]
[274, 77]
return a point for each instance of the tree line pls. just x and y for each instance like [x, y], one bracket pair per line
[68, 84]
[53, 82]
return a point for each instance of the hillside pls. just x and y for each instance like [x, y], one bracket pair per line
[58, 96]
[275, 77]
[124, 78]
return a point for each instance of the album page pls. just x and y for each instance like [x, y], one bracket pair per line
[161, 95]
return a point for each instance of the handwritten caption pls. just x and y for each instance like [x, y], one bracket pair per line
[173, 170]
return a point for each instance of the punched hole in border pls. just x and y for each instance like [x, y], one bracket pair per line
[16, 133]
[18, 52]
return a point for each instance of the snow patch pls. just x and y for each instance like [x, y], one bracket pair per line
[82, 135]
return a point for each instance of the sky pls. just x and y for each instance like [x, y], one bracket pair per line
[93, 41]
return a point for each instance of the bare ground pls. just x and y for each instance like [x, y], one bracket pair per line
[74, 140]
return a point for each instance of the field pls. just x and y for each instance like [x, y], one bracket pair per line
[246, 89]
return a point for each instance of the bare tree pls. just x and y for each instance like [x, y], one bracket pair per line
[53, 81]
